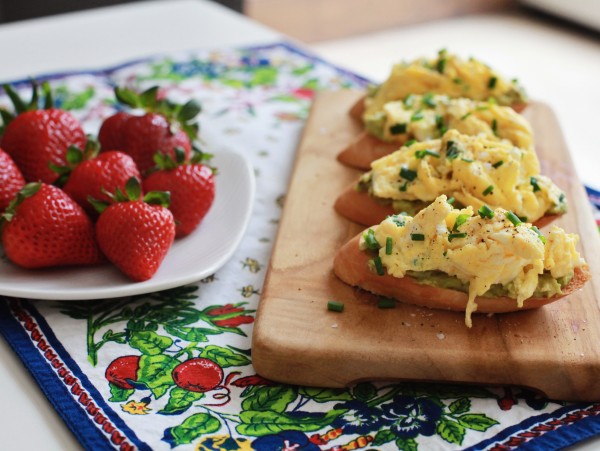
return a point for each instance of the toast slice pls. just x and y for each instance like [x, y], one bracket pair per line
[351, 265]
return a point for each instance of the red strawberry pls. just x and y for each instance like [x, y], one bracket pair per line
[36, 138]
[150, 133]
[110, 133]
[134, 234]
[44, 227]
[96, 174]
[192, 189]
[11, 180]
[164, 127]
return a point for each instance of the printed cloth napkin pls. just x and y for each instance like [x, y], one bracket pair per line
[173, 369]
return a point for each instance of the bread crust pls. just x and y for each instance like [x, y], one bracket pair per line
[351, 266]
[360, 207]
[365, 149]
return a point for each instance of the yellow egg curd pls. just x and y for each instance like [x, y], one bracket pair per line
[426, 117]
[471, 169]
[447, 74]
[484, 253]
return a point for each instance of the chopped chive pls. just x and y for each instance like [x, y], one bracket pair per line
[404, 186]
[370, 240]
[439, 123]
[335, 306]
[417, 116]
[408, 174]
[452, 150]
[441, 65]
[457, 80]
[417, 237]
[488, 190]
[398, 222]
[495, 126]
[378, 266]
[386, 303]
[451, 236]
[492, 100]
[486, 212]
[451, 200]
[513, 218]
[561, 198]
[428, 100]
[539, 234]
[388, 245]
[497, 164]
[534, 183]
[420, 154]
[482, 108]
[492, 82]
[465, 116]
[460, 220]
[410, 142]
[398, 129]
[409, 100]
[467, 160]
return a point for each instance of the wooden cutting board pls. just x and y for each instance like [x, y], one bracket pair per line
[555, 349]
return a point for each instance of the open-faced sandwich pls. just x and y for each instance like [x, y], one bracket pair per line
[483, 260]
[426, 117]
[446, 75]
[472, 170]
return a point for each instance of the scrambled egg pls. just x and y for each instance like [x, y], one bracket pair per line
[473, 170]
[425, 117]
[447, 74]
[481, 251]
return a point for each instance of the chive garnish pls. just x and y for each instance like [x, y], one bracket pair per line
[428, 100]
[439, 123]
[420, 154]
[388, 245]
[417, 237]
[370, 240]
[386, 303]
[409, 100]
[451, 236]
[398, 129]
[451, 200]
[460, 220]
[452, 150]
[417, 116]
[486, 212]
[492, 82]
[335, 306]
[488, 190]
[398, 222]
[495, 126]
[441, 65]
[467, 160]
[534, 183]
[539, 234]
[513, 218]
[378, 266]
[408, 174]
[497, 164]
[404, 186]
[465, 116]
[410, 142]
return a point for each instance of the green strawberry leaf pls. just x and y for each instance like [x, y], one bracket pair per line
[162, 198]
[189, 111]
[19, 105]
[133, 189]
[128, 97]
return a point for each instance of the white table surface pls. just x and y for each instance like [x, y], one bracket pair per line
[557, 65]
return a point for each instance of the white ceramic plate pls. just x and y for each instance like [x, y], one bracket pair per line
[190, 259]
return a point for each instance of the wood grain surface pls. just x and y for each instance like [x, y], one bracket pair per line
[296, 340]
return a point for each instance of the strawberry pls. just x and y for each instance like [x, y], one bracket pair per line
[91, 174]
[44, 227]
[164, 127]
[11, 180]
[191, 185]
[135, 234]
[110, 133]
[36, 138]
